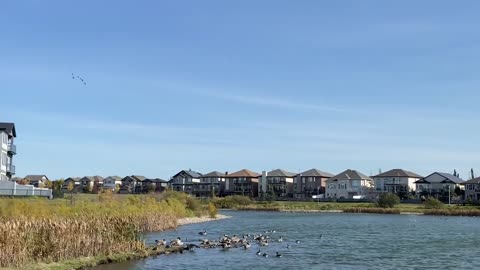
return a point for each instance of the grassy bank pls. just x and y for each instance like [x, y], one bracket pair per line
[86, 262]
[41, 231]
[241, 203]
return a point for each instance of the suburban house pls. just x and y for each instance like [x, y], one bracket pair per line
[436, 184]
[396, 181]
[75, 182]
[472, 189]
[349, 184]
[111, 182]
[309, 183]
[185, 181]
[90, 181]
[36, 180]
[280, 182]
[132, 184]
[7, 150]
[154, 185]
[211, 182]
[243, 182]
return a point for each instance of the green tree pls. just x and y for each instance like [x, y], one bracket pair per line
[472, 174]
[388, 200]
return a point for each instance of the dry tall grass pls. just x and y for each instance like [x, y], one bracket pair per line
[34, 230]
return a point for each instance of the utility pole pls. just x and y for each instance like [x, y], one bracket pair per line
[449, 195]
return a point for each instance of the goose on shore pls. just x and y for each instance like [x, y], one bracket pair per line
[161, 242]
[246, 245]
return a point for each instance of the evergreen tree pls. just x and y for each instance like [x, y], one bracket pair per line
[472, 174]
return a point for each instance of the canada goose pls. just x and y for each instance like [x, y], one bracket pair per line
[278, 255]
[280, 239]
[298, 241]
[259, 252]
[203, 233]
[161, 242]
[288, 246]
[265, 255]
[246, 245]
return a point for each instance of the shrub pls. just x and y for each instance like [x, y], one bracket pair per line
[432, 203]
[388, 200]
[234, 201]
[212, 210]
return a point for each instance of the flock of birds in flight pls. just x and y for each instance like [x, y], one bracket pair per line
[226, 242]
[80, 78]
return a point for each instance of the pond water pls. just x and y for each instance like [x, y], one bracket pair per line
[327, 241]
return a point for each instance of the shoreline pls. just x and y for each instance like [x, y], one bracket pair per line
[195, 220]
[89, 262]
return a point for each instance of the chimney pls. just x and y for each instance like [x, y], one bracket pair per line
[226, 173]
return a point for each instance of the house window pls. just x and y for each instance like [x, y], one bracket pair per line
[4, 159]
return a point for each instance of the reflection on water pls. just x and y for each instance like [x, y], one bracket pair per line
[350, 241]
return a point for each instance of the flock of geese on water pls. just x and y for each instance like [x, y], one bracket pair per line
[226, 242]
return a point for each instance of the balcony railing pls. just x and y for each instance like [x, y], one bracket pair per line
[10, 169]
[12, 148]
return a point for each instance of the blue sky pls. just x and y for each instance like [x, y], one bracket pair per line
[226, 85]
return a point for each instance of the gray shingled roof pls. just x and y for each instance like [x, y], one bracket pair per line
[94, 178]
[139, 177]
[214, 174]
[192, 174]
[398, 173]
[115, 177]
[472, 181]
[446, 176]
[280, 173]
[35, 177]
[316, 173]
[9, 128]
[155, 180]
[350, 174]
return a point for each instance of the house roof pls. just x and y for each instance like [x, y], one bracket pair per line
[35, 177]
[115, 177]
[192, 174]
[349, 174]
[73, 178]
[9, 128]
[139, 177]
[315, 172]
[472, 181]
[93, 178]
[280, 173]
[446, 178]
[155, 180]
[243, 173]
[398, 173]
[214, 174]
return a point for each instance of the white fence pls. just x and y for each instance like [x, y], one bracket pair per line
[10, 188]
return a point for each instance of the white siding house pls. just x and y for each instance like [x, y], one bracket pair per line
[7, 150]
[111, 182]
[348, 184]
[437, 183]
[395, 181]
